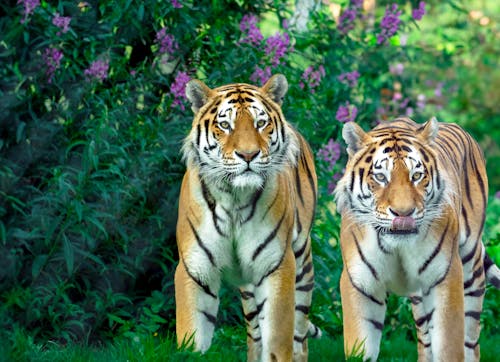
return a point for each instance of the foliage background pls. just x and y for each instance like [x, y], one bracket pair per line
[93, 115]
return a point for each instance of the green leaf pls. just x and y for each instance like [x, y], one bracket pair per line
[38, 264]
[69, 254]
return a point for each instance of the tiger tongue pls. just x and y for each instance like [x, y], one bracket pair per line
[403, 223]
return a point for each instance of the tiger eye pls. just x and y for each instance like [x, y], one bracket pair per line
[380, 177]
[224, 125]
[261, 123]
[416, 176]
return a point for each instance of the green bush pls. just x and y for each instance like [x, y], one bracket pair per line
[93, 116]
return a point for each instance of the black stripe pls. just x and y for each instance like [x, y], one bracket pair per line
[471, 254]
[202, 245]
[478, 272]
[471, 345]
[378, 325]
[475, 293]
[361, 291]
[198, 135]
[255, 339]
[473, 314]
[211, 318]
[425, 345]
[298, 185]
[253, 204]
[300, 339]
[415, 300]
[305, 288]
[271, 236]
[210, 200]
[250, 316]
[271, 205]
[426, 318]
[306, 269]
[363, 258]
[466, 219]
[299, 252]
[380, 245]
[273, 269]
[246, 294]
[202, 285]
[302, 308]
[435, 252]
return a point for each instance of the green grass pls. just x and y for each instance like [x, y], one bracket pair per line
[228, 346]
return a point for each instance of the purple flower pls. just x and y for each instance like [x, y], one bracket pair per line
[396, 69]
[277, 46]
[178, 89]
[62, 22]
[418, 13]
[98, 70]
[176, 4]
[330, 153]
[248, 26]
[349, 15]
[421, 101]
[29, 8]
[52, 58]
[312, 77]
[166, 42]
[349, 78]
[497, 195]
[333, 182]
[346, 113]
[261, 76]
[389, 24]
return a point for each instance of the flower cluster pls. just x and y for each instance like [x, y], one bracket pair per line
[418, 13]
[330, 153]
[346, 113]
[312, 77]
[98, 70]
[349, 15]
[62, 22]
[178, 89]
[349, 78]
[252, 34]
[166, 42]
[52, 58]
[389, 24]
[277, 47]
[260, 75]
[29, 8]
[176, 4]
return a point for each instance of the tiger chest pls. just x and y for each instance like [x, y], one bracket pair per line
[245, 238]
[407, 264]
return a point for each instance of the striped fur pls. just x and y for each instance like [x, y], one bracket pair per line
[246, 207]
[413, 202]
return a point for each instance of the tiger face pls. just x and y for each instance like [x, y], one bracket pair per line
[239, 136]
[393, 183]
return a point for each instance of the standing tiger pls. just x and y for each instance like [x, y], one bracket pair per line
[413, 201]
[246, 207]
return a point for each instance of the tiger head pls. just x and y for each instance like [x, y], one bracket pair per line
[392, 181]
[239, 136]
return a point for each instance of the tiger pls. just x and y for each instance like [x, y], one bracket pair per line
[412, 203]
[246, 207]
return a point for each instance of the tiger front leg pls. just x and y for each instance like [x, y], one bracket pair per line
[363, 319]
[274, 297]
[196, 310]
[444, 314]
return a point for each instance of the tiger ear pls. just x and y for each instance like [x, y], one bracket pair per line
[428, 132]
[355, 137]
[198, 94]
[276, 88]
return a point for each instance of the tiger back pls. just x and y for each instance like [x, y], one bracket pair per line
[246, 206]
[413, 202]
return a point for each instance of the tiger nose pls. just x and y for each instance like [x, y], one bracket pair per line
[248, 156]
[401, 211]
